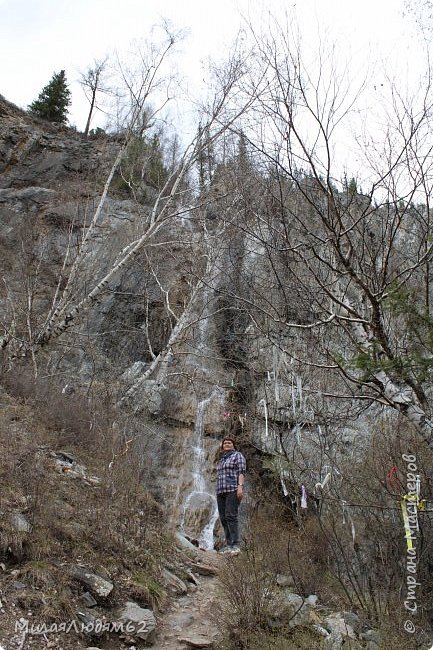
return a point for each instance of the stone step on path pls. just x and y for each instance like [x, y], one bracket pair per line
[189, 623]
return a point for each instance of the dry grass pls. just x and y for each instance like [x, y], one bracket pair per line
[318, 552]
[146, 591]
[248, 583]
[299, 639]
[112, 525]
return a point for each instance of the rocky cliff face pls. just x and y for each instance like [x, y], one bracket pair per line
[35, 153]
[51, 181]
[168, 332]
[185, 342]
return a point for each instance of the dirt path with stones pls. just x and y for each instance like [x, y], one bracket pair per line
[188, 623]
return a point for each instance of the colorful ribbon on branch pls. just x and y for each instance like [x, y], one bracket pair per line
[236, 416]
[393, 479]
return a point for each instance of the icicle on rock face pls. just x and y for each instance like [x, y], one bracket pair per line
[200, 511]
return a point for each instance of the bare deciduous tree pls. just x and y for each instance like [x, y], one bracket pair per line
[71, 298]
[93, 81]
[360, 260]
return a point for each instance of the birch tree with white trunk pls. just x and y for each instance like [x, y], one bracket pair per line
[70, 300]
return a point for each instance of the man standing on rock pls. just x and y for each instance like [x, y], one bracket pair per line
[230, 486]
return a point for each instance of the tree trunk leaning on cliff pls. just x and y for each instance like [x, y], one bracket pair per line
[62, 314]
[54, 329]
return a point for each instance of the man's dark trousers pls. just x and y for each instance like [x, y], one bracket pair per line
[228, 505]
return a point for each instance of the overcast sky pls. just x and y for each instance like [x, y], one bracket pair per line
[40, 37]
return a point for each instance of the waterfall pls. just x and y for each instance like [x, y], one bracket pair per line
[200, 504]
[199, 484]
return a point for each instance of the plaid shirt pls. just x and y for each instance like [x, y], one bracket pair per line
[230, 466]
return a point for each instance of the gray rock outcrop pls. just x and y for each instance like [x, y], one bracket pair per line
[96, 583]
[137, 622]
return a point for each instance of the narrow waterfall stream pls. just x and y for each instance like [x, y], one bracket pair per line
[200, 511]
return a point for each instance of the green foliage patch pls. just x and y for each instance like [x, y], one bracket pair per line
[53, 101]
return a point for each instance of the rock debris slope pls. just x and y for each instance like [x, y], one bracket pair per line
[189, 622]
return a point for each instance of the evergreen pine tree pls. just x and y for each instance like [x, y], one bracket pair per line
[53, 101]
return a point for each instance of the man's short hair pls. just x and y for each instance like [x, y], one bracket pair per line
[228, 438]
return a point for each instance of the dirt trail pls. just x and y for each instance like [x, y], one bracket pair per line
[188, 623]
